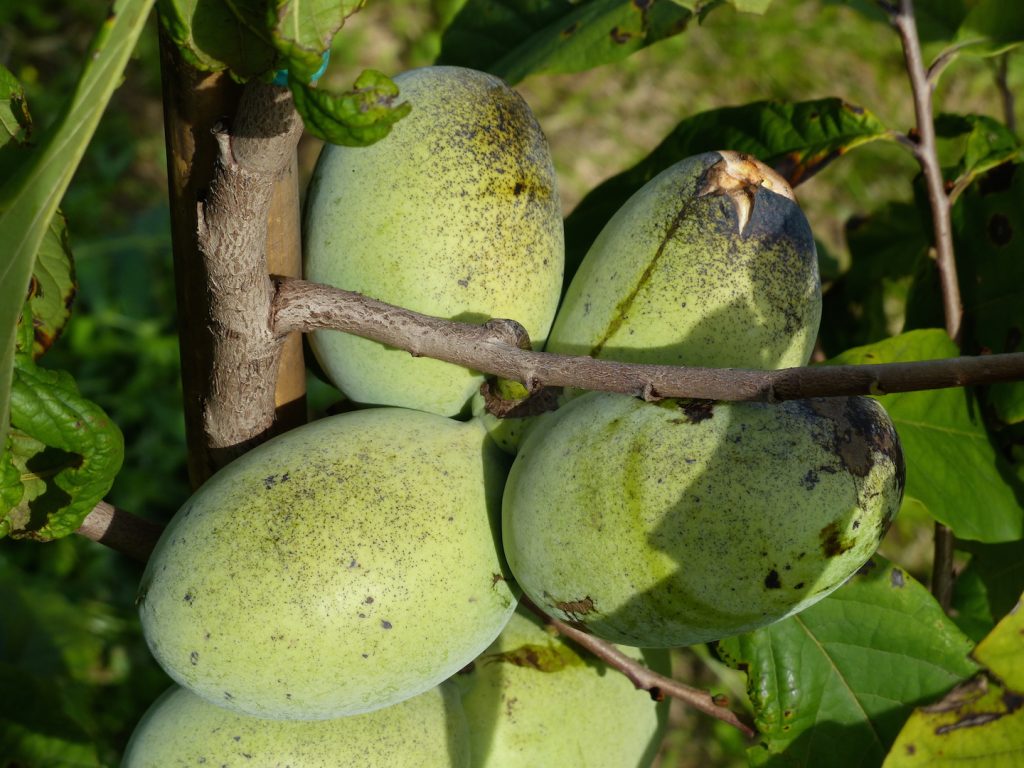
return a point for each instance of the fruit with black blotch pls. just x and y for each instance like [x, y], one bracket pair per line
[712, 263]
[679, 522]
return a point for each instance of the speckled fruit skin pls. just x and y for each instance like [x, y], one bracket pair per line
[711, 263]
[339, 568]
[679, 522]
[531, 700]
[181, 729]
[455, 214]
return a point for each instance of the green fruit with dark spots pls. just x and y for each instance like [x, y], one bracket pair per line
[532, 699]
[679, 522]
[455, 214]
[339, 568]
[712, 263]
[181, 729]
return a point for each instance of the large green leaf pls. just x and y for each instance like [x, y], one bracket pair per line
[866, 304]
[989, 238]
[989, 243]
[29, 197]
[355, 118]
[952, 468]
[832, 685]
[798, 139]
[214, 35]
[980, 723]
[66, 450]
[516, 38]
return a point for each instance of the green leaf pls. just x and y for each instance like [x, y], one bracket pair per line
[867, 303]
[992, 27]
[1002, 652]
[516, 38]
[980, 723]
[798, 139]
[66, 449]
[952, 468]
[988, 236]
[214, 35]
[356, 118]
[11, 487]
[15, 122]
[832, 685]
[302, 31]
[30, 196]
[986, 144]
[52, 288]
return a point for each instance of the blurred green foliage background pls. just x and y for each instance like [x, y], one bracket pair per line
[69, 639]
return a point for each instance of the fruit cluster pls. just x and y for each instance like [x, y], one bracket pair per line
[350, 587]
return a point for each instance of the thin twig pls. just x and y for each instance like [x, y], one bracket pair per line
[927, 156]
[642, 677]
[497, 348]
[922, 85]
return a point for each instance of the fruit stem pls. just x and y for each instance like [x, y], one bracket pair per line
[643, 678]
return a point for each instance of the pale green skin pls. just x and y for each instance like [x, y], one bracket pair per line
[455, 214]
[181, 729]
[339, 568]
[660, 525]
[671, 280]
[532, 700]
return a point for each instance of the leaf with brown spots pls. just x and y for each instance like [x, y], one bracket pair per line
[52, 288]
[833, 684]
[988, 236]
[980, 722]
